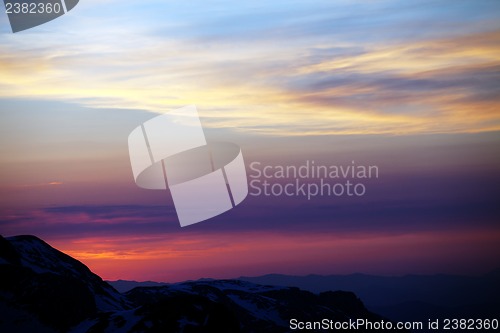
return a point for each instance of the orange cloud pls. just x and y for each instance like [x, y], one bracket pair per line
[275, 89]
[224, 255]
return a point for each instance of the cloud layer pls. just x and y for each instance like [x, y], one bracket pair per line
[300, 68]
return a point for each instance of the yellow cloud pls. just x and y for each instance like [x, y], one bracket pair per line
[251, 90]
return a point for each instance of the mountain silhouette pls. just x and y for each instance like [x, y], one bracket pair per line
[44, 290]
[49, 287]
[126, 285]
[410, 297]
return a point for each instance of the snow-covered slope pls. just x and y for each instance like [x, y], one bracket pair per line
[41, 258]
[45, 290]
[60, 291]
[213, 305]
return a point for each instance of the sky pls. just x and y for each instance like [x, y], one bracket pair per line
[412, 87]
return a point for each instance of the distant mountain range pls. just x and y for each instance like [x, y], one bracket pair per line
[410, 297]
[405, 298]
[43, 290]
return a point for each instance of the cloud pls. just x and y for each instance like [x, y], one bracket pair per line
[288, 69]
[53, 183]
[139, 242]
[269, 69]
[417, 204]
[228, 255]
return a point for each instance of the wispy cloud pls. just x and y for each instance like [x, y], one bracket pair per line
[136, 242]
[71, 91]
[229, 255]
[270, 69]
[53, 183]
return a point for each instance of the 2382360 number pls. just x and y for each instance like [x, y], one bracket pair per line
[32, 8]
[470, 324]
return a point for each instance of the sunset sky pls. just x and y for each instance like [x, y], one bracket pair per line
[410, 86]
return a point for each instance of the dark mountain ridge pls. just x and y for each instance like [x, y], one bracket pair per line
[410, 297]
[45, 282]
[439, 289]
[44, 290]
